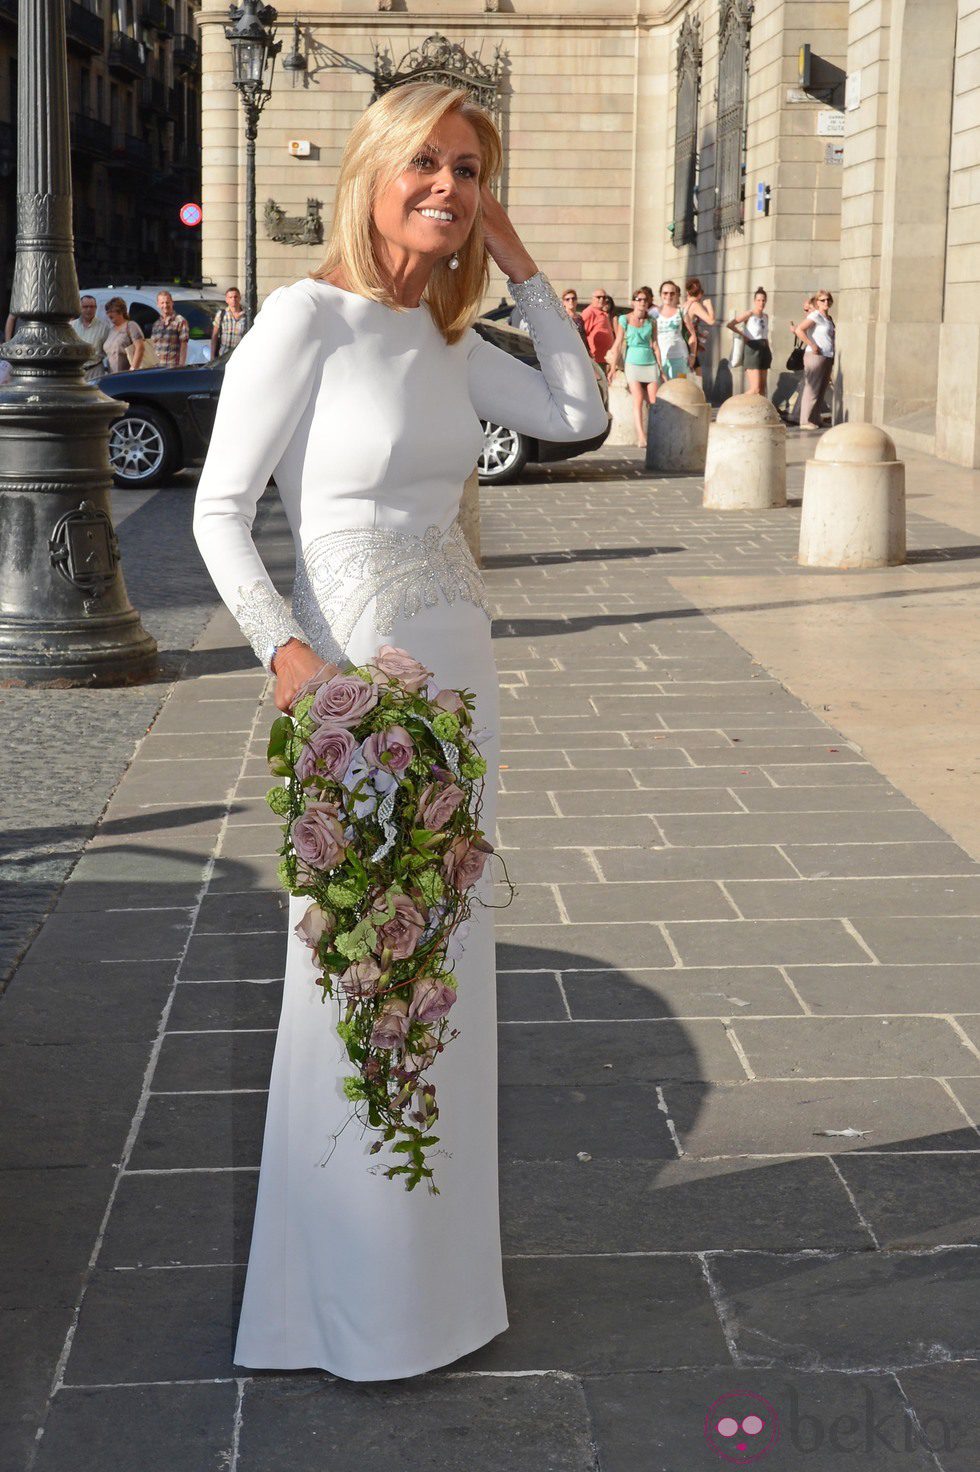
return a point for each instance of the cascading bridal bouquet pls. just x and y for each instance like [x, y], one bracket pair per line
[381, 807]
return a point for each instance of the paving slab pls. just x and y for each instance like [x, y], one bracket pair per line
[601, 1315]
[508, 1423]
[792, 1116]
[154, 1427]
[855, 1047]
[823, 1422]
[850, 1311]
[916, 1201]
[676, 1206]
[683, 992]
[888, 989]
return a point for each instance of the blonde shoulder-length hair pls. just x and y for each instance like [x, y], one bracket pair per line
[382, 143]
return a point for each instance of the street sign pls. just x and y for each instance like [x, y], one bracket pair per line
[191, 214]
[830, 125]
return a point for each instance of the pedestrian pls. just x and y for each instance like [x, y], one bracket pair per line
[93, 330]
[633, 346]
[125, 345]
[753, 328]
[699, 318]
[169, 334]
[569, 300]
[600, 333]
[229, 324]
[818, 334]
[349, 1272]
[669, 341]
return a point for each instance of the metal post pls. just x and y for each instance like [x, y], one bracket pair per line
[64, 612]
[251, 281]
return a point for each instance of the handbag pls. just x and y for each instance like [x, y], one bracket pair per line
[738, 350]
[794, 363]
[150, 359]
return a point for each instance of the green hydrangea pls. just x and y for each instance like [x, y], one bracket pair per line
[279, 800]
[474, 767]
[343, 893]
[346, 1031]
[302, 708]
[430, 886]
[354, 1088]
[445, 726]
[286, 873]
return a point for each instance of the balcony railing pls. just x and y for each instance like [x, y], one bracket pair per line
[85, 30]
[158, 15]
[186, 52]
[90, 135]
[129, 151]
[127, 55]
[153, 95]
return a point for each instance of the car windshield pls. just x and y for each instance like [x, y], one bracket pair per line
[200, 315]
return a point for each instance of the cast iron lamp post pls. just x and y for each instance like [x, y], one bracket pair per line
[254, 50]
[64, 613]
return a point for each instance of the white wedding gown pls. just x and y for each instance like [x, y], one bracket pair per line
[370, 424]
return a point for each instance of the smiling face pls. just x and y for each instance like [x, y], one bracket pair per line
[428, 210]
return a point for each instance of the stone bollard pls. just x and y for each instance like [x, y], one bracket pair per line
[746, 463]
[622, 431]
[469, 514]
[853, 501]
[677, 428]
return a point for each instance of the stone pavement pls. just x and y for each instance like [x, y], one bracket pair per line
[739, 1062]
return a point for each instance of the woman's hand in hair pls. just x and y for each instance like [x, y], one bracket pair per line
[503, 242]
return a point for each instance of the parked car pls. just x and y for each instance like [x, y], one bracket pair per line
[170, 412]
[199, 305]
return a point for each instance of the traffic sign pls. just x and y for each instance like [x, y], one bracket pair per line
[191, 214]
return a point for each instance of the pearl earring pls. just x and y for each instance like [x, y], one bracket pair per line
[453, 261]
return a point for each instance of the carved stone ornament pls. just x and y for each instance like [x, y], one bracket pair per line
[85, 549]
[294, 229]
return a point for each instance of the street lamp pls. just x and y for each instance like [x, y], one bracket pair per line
[254, 50]
[64, 613]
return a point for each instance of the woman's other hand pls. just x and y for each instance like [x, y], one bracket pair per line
[294, 664]
[503, 242]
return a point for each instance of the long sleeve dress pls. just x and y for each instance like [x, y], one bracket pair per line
[370, 423]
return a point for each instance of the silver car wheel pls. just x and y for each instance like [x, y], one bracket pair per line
[136, 448]
[501, 450]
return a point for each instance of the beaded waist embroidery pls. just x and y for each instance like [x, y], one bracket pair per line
[341, 572]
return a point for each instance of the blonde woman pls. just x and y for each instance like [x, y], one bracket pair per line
[125, 344]
[362, 389]
[818, 334]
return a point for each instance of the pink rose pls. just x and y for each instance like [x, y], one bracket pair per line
[399, 665]
[392, 1025]
[329, 751]
[361, 978]
[315, 924]
[465, 861]
[343, 700]
[449, 701]
[437, 804]
[431, 1000]
[401, 933]
[394, 745]
[318, 836]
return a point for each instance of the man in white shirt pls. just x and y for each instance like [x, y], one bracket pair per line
[93, 330]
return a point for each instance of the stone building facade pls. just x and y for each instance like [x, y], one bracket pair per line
[134, 82]
[783, 143]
